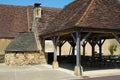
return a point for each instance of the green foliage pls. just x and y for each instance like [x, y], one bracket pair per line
[112, 48]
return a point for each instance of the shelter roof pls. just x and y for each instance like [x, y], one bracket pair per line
[87, 14]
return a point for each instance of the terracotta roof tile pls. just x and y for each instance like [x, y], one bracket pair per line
[14, 19]
[98, 14]
[104, 14]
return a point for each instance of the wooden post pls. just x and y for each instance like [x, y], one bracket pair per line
[100, 43]
[84, 44]
[60, 50]
[78, 49]
[93, 51]
[42, 44]
[93, 43]
[78, 68]
[60, 44]
[73, 50]
[73, 44]
[55, 62]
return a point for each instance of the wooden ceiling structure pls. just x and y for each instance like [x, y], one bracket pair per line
[84, 21]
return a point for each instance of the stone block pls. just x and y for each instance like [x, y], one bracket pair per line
[55, 65]
[78, 71]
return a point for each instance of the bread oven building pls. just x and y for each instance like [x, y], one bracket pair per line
[17, 22]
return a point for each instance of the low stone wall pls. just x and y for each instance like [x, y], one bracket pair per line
[25, 58]
[2, 58]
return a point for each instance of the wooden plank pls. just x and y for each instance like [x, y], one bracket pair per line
[85, 38]
[117, 37]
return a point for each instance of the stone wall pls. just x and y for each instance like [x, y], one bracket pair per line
[2, 58]
[3, 44]
[25, 58]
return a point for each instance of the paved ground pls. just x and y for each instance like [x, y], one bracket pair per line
[36, 72]
[45, 72]
[104, 78]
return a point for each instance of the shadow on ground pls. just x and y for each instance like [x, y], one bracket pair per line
[68, 62]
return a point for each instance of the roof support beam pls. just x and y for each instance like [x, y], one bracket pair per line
[84, 44]
[117, 37]
[73, 44]
[74, 37]
[100, 43]
[42, 42]
[85, 38]
[60, 44]
[93, 42]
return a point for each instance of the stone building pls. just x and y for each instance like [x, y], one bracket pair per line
[24, 49]
[16, 19]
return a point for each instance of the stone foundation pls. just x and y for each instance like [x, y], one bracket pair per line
[25, 58]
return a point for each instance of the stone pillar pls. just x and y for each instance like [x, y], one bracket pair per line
[55, 62]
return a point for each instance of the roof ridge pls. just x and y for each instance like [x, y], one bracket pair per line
[85, 13]
[73, 14]
[12, 5]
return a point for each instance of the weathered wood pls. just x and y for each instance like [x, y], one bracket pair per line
[85, 38]
[78, 56]
[100, 43]
[74, 37]
[84, 44]
[60, 44]
[54, 39]
[42, 41]
[93, 43]
[73, 44]
[117, 37]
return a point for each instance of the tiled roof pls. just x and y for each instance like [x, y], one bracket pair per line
[94, 14]
[14, 19]
[23, 42]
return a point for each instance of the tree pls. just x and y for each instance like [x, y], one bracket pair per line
[112, 48]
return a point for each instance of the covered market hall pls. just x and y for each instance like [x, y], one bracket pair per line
[83, 21]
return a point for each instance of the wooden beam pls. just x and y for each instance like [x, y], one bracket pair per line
[93, 43]
[117, 37]
[42, 42]
[84, 44]
[85, 38]
[73, 44]
[60, 44]
[74, 37]
[100, 43]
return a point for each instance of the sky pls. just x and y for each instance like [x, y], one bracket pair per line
[47, 3]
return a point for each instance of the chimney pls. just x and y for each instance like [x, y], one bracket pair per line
[37, 10]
